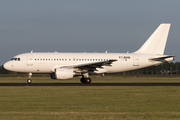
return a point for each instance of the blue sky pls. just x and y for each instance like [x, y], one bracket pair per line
[84, 25]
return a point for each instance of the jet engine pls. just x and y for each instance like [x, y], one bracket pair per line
[62, 73]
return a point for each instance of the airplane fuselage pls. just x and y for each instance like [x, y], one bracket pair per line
[47, 62]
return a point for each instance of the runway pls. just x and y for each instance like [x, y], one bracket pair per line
[92, 84]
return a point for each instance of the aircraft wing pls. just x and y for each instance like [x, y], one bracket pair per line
[162, 58]
[94, 65]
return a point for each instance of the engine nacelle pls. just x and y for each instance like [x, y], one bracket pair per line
[62, 73]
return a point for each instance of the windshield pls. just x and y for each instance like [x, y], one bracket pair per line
[15, 59]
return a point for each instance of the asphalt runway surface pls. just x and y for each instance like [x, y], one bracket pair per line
[91, 84]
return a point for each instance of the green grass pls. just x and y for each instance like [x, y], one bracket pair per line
[90, 102]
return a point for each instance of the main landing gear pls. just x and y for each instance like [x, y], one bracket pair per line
[85, 78]
[29, 78]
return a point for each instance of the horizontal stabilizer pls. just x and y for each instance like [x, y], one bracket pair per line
[162, 58]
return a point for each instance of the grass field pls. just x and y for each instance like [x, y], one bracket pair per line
[90, 102]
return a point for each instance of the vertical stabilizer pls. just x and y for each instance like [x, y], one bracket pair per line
[157, 41]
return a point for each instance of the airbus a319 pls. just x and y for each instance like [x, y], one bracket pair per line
[68, 65]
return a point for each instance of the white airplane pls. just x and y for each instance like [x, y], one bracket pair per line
[69, 65]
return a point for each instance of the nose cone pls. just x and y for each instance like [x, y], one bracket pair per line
[7, 66]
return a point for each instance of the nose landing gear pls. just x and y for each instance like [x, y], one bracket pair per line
[29, 81]
[29, 78]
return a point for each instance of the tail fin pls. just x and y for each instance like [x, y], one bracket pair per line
[157, 41]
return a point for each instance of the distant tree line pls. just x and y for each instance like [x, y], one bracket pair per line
[4, 71]
[164, 68]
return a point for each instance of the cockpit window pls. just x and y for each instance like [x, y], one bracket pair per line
[15, 59]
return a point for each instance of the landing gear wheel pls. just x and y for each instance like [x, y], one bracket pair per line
[82, 80]
[85, 80]
[88, 80]
[29, 81]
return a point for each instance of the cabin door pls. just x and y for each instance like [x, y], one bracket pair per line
[30, 60]
[136, 60]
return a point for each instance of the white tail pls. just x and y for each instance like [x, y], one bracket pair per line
[157, 41]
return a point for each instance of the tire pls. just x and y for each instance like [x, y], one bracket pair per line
[88, 80]
[82, 80]
[85, 80]
[29, 81]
